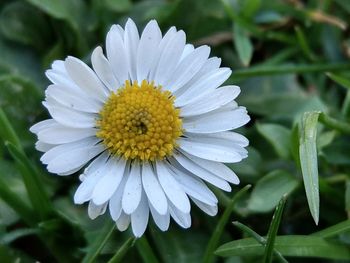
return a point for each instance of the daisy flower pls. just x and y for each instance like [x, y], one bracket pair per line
[151, 122]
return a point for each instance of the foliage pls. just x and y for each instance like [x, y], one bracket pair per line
[291, 60]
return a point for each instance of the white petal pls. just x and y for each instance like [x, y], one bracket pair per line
[187, 68]
[57, 134]
[116, 54]
[160, 49]
[133, 189]
[201, 172]
[85, 78]
[153, 189]
[74, 159]
[195, 187]
[107, 185]
[235, 140]
[162, 221]
[219, 169]
[217, 121]
[64, 148]
[210, 65]
[96, 210]
[170, 57]
[211, 210]
[115, 203]
[104, 70]
[71, 118]
[36, 128]
[139, 218]
[44, 147]
[183, 219]
[60, 76]
[131, 42]
[73, 99]
[210, 151]
[213, 101]
[123, 222]
[147, 49]
[226, 139]
[187, 50]
[172, 189]
[204, 85]
[92, 174]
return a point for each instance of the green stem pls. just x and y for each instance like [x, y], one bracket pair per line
[215, 237]
[118, 256]
[334, 123]
[100, 242]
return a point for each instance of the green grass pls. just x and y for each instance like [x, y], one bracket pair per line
[291, 60]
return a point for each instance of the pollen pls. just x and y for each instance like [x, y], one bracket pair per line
[140, 122]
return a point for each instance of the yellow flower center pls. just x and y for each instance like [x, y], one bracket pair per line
[140, 122]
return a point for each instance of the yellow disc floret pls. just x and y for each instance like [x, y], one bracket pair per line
[140, 122]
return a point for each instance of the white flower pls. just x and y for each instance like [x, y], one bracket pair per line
[152, 122]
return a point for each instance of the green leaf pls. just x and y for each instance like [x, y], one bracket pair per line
[335, 230]
[278, 136]
[34, 186]
[271, 235]
[16, 234]
[250, 166]
[119, 255]
[23, 23]
[341, 80]
[243, 45]
[308, 161]
[12, 199]
[283, 69]
[118, 5]
[95, 248]
[293, 246]
[270, 189]
[70, 11]
[347, 196]
[219, 229]
[250, 7]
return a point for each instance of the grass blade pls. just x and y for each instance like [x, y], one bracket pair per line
[308, 161]
[243, 44]
[292, 246]
[335, 230]
[342, 81]
[335, 124]
[271, 235]
[100, 242]
[260, 239]
[215, 237]
[145, 250]
[118, 256]
[7, 133]
[284, 69]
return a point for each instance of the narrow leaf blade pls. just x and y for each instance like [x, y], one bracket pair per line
[308, 161]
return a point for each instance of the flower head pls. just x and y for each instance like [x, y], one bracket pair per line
[150, 121]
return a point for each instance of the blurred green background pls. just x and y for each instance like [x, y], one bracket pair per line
[291, 60]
